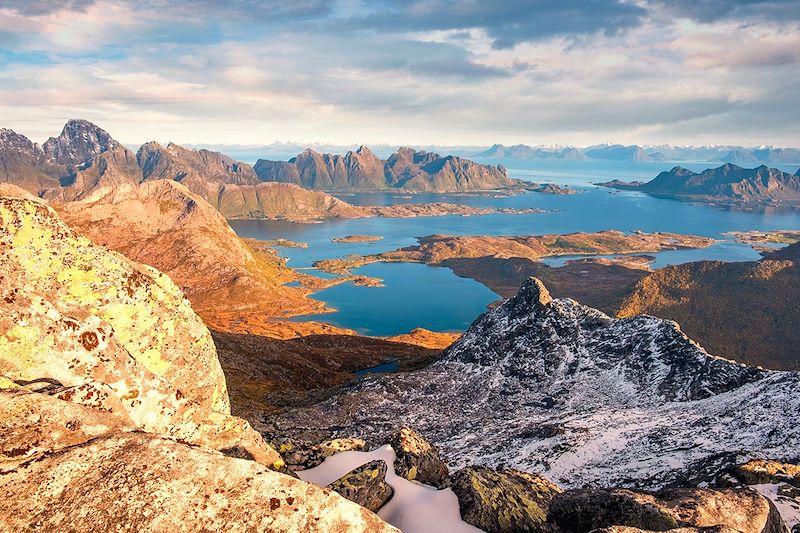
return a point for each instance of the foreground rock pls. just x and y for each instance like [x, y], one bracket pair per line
[142, 482]
[365, 485]
[416, 458]
[503, 500]
[114, 413]
[117, 335]
[581, 511]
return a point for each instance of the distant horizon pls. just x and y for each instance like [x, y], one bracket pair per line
[42, 137]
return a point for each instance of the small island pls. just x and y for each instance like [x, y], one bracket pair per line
[356, 238]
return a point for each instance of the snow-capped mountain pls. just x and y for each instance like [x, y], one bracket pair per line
[556, 387]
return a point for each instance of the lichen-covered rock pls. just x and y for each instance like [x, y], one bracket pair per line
[146, 483]
[417, 459]
[365, 485]
[743, 510]
[33, 424]
[503, 500]
[115, 334]
[300, 455]
[710, 529]
[760, 471]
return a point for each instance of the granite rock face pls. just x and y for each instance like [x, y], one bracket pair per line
[144, 482]
[503, 500]
[365, 485]
[116, 335]
[416, 458]
[114, 414]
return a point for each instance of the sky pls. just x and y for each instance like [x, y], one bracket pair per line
[416, 72]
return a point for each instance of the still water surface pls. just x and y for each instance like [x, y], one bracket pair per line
[434, 298]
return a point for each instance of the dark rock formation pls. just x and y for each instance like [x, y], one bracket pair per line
[582, 511]
[365, 485]
[503, 501]
[416, 458]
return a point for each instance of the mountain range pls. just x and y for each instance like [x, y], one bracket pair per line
[84, 161]
[728, 185]
[555, 387]
[406, 170]
[617, 152]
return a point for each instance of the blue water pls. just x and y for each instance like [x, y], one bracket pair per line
[434, 298]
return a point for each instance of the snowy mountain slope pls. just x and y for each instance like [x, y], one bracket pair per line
[555, 387]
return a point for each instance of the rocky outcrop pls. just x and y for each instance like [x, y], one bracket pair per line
[553, 387]
[758, 471]
[503, 500]
[417, 459]
[301, 456]
[144, 482]
[79, 141]
[582, 511]
[117, 336]
[365, 485]
[114, 413]
[406, 170]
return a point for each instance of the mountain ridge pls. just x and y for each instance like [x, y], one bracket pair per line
[564, 390]
[406, 170]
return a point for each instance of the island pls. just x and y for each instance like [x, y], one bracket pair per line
[356, 238]
[725, 186]
[435, 249]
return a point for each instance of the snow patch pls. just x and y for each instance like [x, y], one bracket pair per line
[414, 508]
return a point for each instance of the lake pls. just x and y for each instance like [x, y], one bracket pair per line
[434, 298]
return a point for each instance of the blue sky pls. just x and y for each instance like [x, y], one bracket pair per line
[405, 72]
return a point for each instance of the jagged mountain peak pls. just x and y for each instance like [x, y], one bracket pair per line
[534, 336]
[79, 141]
[552, 386]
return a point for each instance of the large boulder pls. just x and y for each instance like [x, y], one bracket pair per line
[743, 510]
[116, 335]
[758, 471]
[503, 500]
[300, 455]
[146, 483]
[417, 459]
[365, 485]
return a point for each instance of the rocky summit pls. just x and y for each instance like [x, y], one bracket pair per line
[554, 387]
[114, 413]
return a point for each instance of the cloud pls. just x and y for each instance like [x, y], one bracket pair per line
[708, 11]
[506, 23]
[402, 72]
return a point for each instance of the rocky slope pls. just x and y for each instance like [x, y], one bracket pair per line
[728, 185]
[161, 223]
[562, 389]
[114, 411]
[406, 170]
[746, 310]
